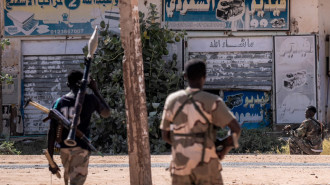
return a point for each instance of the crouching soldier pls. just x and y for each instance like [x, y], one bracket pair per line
[308, 137]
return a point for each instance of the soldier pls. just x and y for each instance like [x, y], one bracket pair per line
[307, 139]
[75, 159]
[191, 115]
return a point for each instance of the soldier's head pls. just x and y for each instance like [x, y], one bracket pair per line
[195, 73]
[310, 111]
[74, 80]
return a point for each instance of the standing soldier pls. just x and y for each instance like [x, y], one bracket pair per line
[75, 159]
[191, 115]
[307, 139]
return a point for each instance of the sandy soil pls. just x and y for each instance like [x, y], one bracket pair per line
[237, 169]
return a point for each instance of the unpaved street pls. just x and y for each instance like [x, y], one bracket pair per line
[237, 169]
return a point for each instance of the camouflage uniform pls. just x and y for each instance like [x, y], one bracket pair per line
[307, 139]
[187, 166]
[75, 162]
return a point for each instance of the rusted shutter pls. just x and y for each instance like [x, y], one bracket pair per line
[44, 79]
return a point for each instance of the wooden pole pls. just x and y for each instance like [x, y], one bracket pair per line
[1, 28]
[135, 98]
[1, 116]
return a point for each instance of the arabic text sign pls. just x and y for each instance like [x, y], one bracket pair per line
[230, 44]
[227, 14]
[251, 108]
[58, 17]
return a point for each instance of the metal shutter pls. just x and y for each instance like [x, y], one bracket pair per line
[44, 79]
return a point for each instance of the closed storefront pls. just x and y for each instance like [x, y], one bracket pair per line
[44, 80]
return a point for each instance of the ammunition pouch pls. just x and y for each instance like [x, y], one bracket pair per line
[59, 133]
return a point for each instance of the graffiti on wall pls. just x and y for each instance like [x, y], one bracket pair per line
[227, 14]
[60, 17]
[251, 108]
[295, 77]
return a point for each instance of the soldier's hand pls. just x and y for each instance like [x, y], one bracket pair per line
[287, 128]
[54, 170]
[92, 84]
[221, 153]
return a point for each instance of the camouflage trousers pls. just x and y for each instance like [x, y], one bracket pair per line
[298, 146]
[75, 162]
[203, 174]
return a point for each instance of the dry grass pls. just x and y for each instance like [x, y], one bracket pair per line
[326, 148]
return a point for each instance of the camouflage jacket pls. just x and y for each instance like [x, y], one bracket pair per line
[187, 150]
[311, 132]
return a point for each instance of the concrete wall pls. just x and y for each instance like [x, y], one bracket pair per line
[324, 30]
[304, 16]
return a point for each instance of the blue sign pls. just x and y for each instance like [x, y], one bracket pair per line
[251, 108]
[227, 14]
[58, 17]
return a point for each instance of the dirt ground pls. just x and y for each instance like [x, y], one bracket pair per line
[237, 169]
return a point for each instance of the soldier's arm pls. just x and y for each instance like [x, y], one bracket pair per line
[301, 131]
[51, 137]
[104, 110]
[166, 131]
[165, 124]
[166, 135]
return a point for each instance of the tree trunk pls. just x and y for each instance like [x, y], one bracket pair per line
[135, 98]
[1, 119]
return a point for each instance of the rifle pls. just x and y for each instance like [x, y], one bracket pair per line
[288, 130]
[92, 45]
[52, 163]
[56, 115]
[229, 140]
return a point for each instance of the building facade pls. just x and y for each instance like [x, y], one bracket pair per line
[266, 58]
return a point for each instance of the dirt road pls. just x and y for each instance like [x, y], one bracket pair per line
[237, 169]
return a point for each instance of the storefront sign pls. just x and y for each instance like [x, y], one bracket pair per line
[251, 108]
[227, 14]
[295, 77]
[225, 44]
[58, 17]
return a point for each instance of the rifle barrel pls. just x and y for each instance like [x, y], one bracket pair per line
[40, 107]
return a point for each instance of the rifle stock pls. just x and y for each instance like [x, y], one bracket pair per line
[55, 114]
